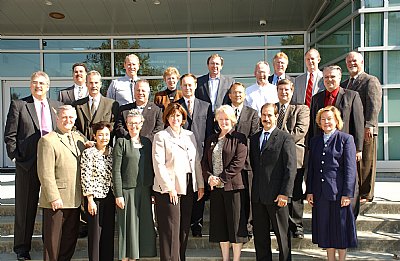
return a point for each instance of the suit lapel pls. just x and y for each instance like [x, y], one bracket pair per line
[271, 139]
[85, 107]
[99, 111]
[220, 90]
[71, 94]
[30, 105]
[180, 142]
[206, 86]
[339, 98]
[53, 113]
[66, 144]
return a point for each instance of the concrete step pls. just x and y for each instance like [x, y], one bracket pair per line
[367, 241]
[247, 255]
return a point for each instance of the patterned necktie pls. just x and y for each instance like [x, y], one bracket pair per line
[237, 113]
[45, 123]
[264, 143]
[190, 107]
[310, 85]
[80, 92]
[331, 100]
[280, 117]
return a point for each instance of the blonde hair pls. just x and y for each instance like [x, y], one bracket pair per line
[171, 71]
[228, 111]
[336, 113]
[281, 55]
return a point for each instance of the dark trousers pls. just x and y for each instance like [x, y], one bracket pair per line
[265, 215]
[27, 186]
[367, 169]
[196, 222]
[296, 205]
[174, 224]
[60, 233]
[101, 229]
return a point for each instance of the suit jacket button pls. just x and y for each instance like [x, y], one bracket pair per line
[322, 180]
[325, 145]
[322, 162]
[320, 170]
[323, 153]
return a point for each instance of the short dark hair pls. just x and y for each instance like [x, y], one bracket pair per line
[101, 125]
[79, 64]
[172, 108]
[236, 84]
[215, 55]
[273, 105]
[188, 75]
[284, 82]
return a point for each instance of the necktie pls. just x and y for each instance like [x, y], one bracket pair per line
[190, 107]
[92, 108]
[132, 87]
[331, 100]
[45, 123]
[350, 85]
[71, 142]
[310, 85]
[264, 143]
[237, 113]
[280, 117]
[80, 92]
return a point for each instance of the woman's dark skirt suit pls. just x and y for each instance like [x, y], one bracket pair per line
[133, 178]
[228, 217]
[96, 179]
[331, 175]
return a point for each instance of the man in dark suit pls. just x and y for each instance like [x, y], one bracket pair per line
[248, 123]
[213, 87]
[294, 119]
[370, 91]
[273, 161]
[309, 83]
[200, 122]
[280, 64]
[28, 120]
[79, 89]
[151, 112]
[95, 107]
[351, 109]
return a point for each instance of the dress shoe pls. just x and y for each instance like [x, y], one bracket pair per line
[24, 256]
[298, 234]
[197, 234]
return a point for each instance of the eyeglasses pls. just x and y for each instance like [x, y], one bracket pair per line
[133, 123]
[39, 83]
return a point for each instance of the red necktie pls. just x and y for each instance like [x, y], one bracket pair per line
[310, 85]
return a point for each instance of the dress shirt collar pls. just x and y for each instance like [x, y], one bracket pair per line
[191, 99]
[269, 131]
[328, 135]
[240, 107]
[334, 93]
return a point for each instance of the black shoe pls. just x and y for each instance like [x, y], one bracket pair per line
[298, 234]
[197, 234]
[24, 256]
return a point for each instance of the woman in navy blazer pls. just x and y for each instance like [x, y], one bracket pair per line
[330, 185]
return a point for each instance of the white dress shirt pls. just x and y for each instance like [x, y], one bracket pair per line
[84, 92]
[121, 90]
[257, 96]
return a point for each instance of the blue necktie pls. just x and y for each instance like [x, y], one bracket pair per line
[264, 143]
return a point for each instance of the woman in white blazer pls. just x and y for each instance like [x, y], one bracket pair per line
[177, 177]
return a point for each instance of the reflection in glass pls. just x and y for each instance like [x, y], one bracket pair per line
[155, 43]
[227, 41]
[60, 64]
[335, 44]
[379, 145]
[153, 63]
[282, 40]
[76, 44]
[374, 64]
[394, 2]
[393, 66]
[235, 62]
[334, 20]
[394, 28]
[19, 92]
[373, 3]
[296, 59]
[374, 29]
[25, 44]
[247, 81]
[393, 105]
[394, 143]
[19, 64]
[357, 32]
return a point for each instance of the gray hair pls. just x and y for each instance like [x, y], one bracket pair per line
[62, 108]
[40, 73]
[93, 72]
[332, 68]
[144, 81]
[135, 113]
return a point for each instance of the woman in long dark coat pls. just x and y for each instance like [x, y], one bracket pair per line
[331, 181]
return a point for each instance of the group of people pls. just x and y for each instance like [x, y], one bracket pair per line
[247, 150]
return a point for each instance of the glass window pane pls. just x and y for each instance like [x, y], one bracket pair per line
[153, 64]
[357, 4]
[394, 2]
[332, 6]
[374, 29]
[19, 92]
[282, 40]
[247, 58]
[60, 64]
[156, 43]
[374, 64]
[76, 44]
[373, 3]
[335, 44]
[247, 81]
[312, 36]
[11, 44]
[19, 64]
[338, 17]
[296, 59]
[379, 145]
[380, 115]
[227, 41]
[393, 105]
[345, 72]
[394, 28]
[393, 66]
[357, 32]
[394, 143]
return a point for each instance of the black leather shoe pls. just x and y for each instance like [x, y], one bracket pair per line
[197, 234]
[298, 234]
[24, 256]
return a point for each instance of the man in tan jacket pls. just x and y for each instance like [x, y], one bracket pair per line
[60, 197]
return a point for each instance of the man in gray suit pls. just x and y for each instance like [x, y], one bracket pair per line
[95, 107]
[151, 112]
[309, 83]
[213, 87]
[79, 89]
[370, 91]
[28, 119]
[200, 122]
[294, 119]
